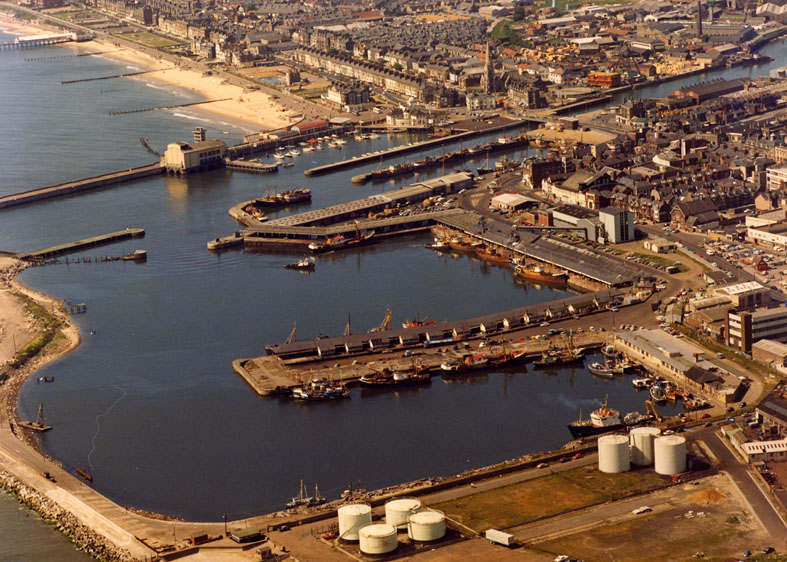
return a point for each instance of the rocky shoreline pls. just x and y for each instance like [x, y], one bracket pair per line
[64, 521]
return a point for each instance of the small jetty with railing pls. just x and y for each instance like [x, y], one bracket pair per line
[54, 251]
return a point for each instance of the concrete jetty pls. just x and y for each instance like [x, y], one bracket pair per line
[502, 125]
[81, 244]
[78, 186]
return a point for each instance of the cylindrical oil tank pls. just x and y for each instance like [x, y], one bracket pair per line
[641, 441]
[398, 510]
[670, 454]
[613, 453]
[377, 538]
[426, 526]
[351, 518]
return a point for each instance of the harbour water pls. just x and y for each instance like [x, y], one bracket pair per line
[26, 537]
[149, 404]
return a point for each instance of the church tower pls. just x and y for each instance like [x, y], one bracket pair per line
[488, 78]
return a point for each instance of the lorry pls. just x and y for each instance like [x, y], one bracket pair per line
[499, 537]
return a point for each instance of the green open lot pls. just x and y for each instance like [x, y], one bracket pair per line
[550, 495]
[72, 16]
[310, 94]
[662, 260]
[150, 39]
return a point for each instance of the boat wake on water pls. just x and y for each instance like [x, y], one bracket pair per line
[98, 427]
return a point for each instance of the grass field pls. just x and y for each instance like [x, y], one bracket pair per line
[73, 15]
[150, 39]
[550, 495]
[661, 260]
[309, 94]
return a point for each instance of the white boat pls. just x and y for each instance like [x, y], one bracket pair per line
[293, 153]
[341, 141]
[640, 384]
[600, 370]
[288, 164]
[657, 393]
[278, 155]
[374, 136]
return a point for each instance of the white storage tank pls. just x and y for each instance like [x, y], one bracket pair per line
[426, 526]
[398, 510]
[670, 454]
[641, 441]
[351, 518]
[378, 538]
[613, 453]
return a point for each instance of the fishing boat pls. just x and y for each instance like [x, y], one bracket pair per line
[507, 357]
[604, 420]
[657, 393]
[301, 265]
[538, 273]
[409, 377]
[438, 246]
[600, 370]
[303, 500]
[641, 384]
[377, 380]
[340, 242]
[278, 199]
[417, 323]
[136, 255]
[556, 357]
[609, 352]
[489, 254]
[468, 362]
[320, 389]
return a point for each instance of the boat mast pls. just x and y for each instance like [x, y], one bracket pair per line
[291, 337]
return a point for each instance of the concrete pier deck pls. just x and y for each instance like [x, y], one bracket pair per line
[78, 186]
[110, 238]
[270, 375]
[415, 147]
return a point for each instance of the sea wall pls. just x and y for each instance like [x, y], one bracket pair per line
[64, 521]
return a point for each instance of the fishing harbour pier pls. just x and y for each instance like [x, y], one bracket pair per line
[289, 365]
[498, 124]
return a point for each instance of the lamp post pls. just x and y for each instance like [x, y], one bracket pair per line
[225, 524]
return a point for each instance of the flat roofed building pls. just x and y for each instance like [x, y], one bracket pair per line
[769, 352]
[510, 201]
[745, 295]
[618, 224]
[772, 413]
[183, 158]
[774, 234]
[668, 355]
[746, 328]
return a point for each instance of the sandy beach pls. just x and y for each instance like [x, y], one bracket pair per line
[255, 109]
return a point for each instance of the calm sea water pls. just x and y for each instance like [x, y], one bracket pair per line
[25, 537]
[149, 403]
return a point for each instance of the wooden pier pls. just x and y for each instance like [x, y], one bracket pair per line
[415, 147]
[78, 186]
[81, 244]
